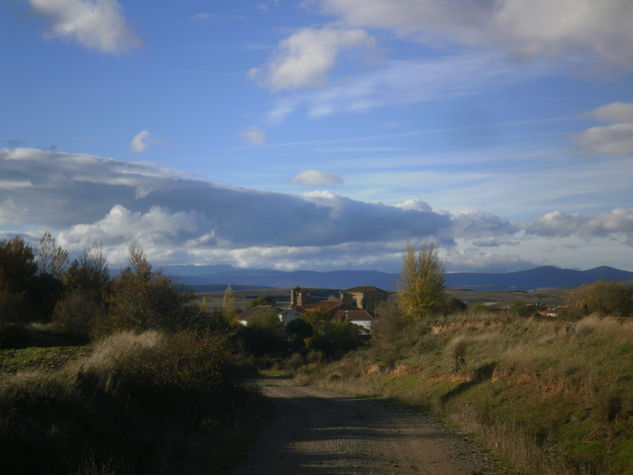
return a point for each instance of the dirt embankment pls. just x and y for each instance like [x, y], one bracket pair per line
[317, 431]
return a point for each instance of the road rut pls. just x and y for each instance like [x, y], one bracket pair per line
[317, 431]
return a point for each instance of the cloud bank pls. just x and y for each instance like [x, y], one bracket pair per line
[84, 198]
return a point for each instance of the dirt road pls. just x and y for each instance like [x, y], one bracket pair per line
[316, 431]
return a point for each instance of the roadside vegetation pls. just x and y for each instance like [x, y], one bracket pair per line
[123, 374]
[548, 395]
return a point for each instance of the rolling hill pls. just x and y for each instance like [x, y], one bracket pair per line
[215, 277]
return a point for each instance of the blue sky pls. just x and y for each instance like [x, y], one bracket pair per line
[321, 134]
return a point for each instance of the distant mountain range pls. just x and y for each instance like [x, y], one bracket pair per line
[217, 277]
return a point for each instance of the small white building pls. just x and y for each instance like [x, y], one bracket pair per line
[286, 316]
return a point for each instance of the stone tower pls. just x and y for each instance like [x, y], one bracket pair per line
[299, 296]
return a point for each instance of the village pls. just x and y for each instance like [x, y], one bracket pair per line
[357, 305]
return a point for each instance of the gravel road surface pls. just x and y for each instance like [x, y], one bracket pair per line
[317, 431]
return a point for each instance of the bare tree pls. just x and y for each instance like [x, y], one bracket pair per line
[51, 258]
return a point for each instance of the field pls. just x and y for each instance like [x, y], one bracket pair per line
[500, 298]
[244, 297]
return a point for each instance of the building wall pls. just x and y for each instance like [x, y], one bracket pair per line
[363, 300]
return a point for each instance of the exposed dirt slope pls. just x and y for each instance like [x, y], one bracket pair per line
[316, 431]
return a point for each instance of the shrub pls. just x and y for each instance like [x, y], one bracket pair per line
[602, 297]
[78, 312]
[522, 309]
[264, 334]
[145, 403]
[337, 339]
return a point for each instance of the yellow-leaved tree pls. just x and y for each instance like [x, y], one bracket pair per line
[422, 292]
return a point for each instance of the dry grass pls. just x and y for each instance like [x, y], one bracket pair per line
[550, 396]
[139, 403]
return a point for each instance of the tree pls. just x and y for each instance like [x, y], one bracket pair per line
[263, 300]
[26, 295]
[422, 291]
[17, 278]
[17, 265]
[51, 259]
[142, 299]
[88, 272]
[228, 302]
[298, 329]
[86, 285]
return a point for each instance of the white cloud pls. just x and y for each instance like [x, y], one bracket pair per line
[254, 135]
[471, 224]
[413, 204]
[557, 224]
[614, 112]
[616, 221]
[316, 178]
[140, 142]
[560, 29]
[120, 225]
[94, 24]
[306, 57]
[613, 139]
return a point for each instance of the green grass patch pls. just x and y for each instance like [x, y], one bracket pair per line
[23, 359]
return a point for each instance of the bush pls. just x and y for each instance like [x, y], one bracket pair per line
[139, 404]
[522, 309]
[602, 297]
[77, 313]
[264, 334]
[337, 339]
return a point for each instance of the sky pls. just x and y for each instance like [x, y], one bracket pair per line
[321, 134]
